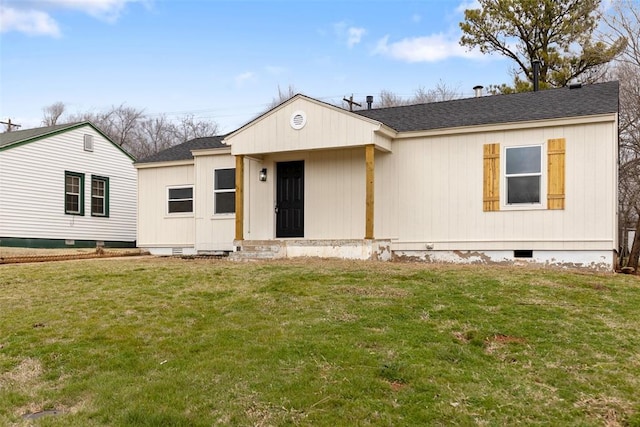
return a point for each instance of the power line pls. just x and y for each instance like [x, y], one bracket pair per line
[9, 125]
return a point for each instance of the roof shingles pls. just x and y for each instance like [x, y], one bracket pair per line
[543, 105]
[183, 151]
[16, 136]
[601, 98]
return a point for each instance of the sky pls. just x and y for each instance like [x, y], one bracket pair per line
[225, 60]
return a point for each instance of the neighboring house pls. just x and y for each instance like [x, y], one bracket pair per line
[66, 186]
[528, 177]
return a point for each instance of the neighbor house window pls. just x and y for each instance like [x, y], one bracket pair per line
[74, 193]
[180, 200]
[224, 189]
[99, 196]
[523, 174]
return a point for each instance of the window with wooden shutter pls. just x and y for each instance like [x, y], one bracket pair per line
[491, 178]
[555, 173]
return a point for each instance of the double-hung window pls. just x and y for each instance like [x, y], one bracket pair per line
[523, 174]
[224, 190]
[180, 200]
[73, 193]
[99, 196]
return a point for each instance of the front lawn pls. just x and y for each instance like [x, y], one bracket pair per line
[176, 342]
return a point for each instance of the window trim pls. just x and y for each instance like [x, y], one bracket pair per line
[504, 196]
[80, 176]
[223, 190]
[104, 179]
[193, 200]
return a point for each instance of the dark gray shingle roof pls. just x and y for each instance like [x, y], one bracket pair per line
[587, 100]
[183, 151]
[17, 136]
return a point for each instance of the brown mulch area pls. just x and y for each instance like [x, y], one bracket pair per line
[19, 255]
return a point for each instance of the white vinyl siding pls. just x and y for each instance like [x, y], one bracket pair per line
[32, 177]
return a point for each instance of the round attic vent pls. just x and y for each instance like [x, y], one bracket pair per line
[298, 120]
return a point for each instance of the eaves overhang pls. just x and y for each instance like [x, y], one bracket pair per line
[532, 124]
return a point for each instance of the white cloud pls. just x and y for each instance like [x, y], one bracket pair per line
[31, 22]
[468, 4]
[433, 48]
[35, 17]
[355, 35]
[350, 35]
[243, 78]
[108, 10]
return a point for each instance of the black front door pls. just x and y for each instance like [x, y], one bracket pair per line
[290, 199]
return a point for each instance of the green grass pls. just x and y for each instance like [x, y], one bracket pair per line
[174, 342]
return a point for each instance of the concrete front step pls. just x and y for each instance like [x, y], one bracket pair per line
[249, 255]
[258, 249]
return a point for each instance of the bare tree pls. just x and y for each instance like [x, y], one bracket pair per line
[283, 95]
[138, 134]
[624, 22]
[52, 113]
[441, 92]
[188, 128]
[390, 99]
[119, 123]
[155, 135]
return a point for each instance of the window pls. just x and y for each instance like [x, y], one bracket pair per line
[73, 193]
[99, 196]
[523, 174]
[224, 191]
[180, 200]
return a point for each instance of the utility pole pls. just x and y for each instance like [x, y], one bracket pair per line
[9, 125]
[351, 102]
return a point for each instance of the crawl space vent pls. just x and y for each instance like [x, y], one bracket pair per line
[298, 120]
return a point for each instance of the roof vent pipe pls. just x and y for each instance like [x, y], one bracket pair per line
[536, 74]
[369, 101]
[478, 90]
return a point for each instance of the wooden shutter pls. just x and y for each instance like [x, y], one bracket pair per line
[491, 178]
[555, 173]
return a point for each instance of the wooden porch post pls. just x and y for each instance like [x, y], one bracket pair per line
[239, 197]
[370, 171]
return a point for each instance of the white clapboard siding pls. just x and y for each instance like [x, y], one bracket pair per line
[32, 189]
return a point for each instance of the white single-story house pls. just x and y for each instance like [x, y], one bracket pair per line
[526, 177]
[66, 186]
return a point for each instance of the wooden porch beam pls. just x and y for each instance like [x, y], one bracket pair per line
[370, 175]
[239, 197]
